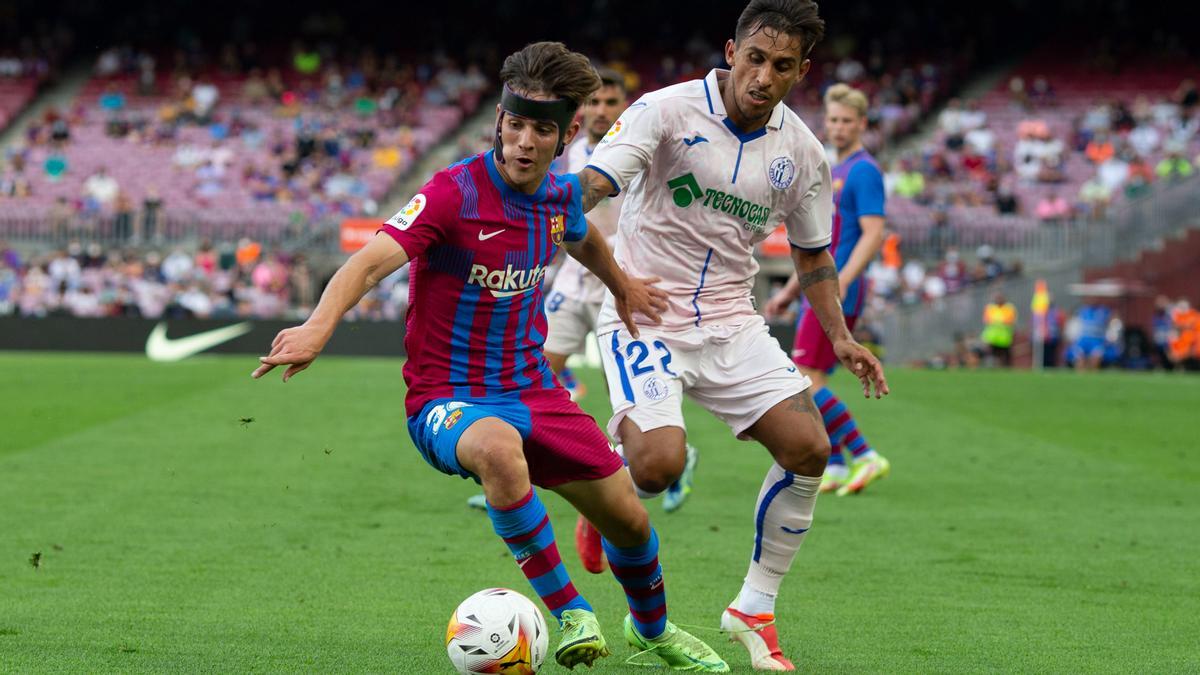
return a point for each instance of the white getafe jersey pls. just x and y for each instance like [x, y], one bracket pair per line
[701, 194]
[573, 279]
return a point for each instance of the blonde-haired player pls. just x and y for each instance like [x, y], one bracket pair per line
[858, 223]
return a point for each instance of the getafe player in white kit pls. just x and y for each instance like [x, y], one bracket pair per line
[710, 167]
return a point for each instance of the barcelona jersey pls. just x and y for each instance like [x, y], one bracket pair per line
[479, 252]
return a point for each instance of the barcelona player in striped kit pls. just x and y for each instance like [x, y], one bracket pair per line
[482, 402]
[858, 223]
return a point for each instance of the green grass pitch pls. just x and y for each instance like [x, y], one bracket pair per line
[190, 519]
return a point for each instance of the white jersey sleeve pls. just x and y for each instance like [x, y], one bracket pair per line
[626, 150]
[808, 223]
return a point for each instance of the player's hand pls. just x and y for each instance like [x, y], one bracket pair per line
[643, 297]
[293, 347]
[862, 363]
[777, 306]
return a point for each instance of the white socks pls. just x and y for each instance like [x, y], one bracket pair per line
[783, 514]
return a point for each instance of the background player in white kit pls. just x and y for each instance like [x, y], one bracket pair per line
[710, 167]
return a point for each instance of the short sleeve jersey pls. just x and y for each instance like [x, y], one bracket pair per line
[574, 280]
[857, 192]
[479, 251]
[700, 194]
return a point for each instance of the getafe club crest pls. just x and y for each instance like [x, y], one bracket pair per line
[781, 173]
[405, 216]
[557, 230]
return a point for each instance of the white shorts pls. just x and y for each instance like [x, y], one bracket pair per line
[568, 323]
[737, 373]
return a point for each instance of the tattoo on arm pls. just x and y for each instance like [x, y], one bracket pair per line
[818, 275]
[595, 188]
[803, 403]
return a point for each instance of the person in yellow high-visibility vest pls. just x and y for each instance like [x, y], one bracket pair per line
[999, 323]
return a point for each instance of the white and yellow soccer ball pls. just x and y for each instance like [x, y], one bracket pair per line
[497, 630]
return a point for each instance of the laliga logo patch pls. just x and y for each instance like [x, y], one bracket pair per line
[613, 131]
[557, 230]
[655, 389]
[781, 173]
[405, 216]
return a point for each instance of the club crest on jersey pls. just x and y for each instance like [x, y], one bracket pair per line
[452, 419]
[655, 389]
[781, 173]
[508, 281]
[405, 216]
[557, 229]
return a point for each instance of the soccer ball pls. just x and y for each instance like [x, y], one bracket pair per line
[497, 631]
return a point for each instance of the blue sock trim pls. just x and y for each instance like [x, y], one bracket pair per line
[634, 555]
[518, 521]
[837, 457]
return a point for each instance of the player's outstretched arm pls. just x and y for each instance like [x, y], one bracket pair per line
[818, 279]
[298, 347]
[631, 295]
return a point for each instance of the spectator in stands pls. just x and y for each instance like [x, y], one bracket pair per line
[910, 183]
[1042, 93]
[999, 326]
[1174, 166]
[1095, 196]
[123, 217]
[1006, 201]
[204, 97]
[950, 123]
[952, 271]
[1100, 149]
[1145, 138]
[912, 278]
[973, 117]
[1141, 176]
[1053, 208]
[1113, 172]
[1163, 329]
[1017, 96]
[1052, 170]
[151, 208]
[101, 187]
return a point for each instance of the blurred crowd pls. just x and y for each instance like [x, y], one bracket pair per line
[314, 135]
[1029, 165]
[223, 280]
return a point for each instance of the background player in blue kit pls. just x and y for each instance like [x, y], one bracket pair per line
[858, 223]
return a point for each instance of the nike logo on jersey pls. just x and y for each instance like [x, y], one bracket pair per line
[692, 141]
[161, 348]
[792, 369]
[791, 531]
[485, 237]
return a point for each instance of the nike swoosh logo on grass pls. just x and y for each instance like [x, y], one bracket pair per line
[485, 237]
[163, 349]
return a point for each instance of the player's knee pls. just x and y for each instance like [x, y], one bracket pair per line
[807, 457]
[655, 472]
[500, 459]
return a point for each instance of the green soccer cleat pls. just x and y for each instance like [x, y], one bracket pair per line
[478, 501]
[864, 472]
[832, 481]
[581, 639]
[678, 648]
[679, 491]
